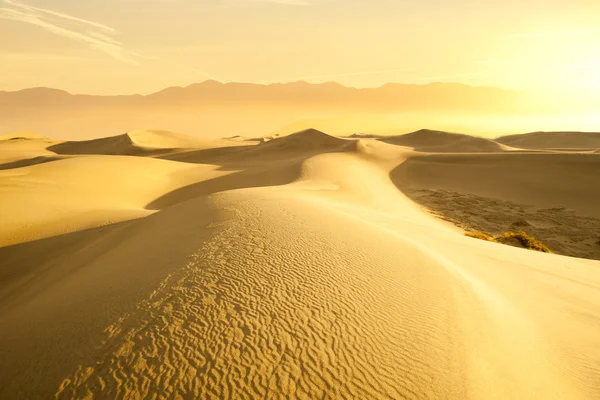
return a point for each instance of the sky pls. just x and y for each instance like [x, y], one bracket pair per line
[142, 46]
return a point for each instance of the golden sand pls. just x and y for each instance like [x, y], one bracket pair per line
[294, 268]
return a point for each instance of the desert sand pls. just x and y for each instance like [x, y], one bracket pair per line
[554, 140]
[151, 265]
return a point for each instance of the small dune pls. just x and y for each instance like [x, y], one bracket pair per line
[444, 142]
[309, 139]
[24, 148]
[167, 140]
[22, 136]
[134, 143]
[113, 145]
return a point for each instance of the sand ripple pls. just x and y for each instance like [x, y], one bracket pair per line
[259, 313]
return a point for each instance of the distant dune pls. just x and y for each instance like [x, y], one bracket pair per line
[553, 140]
[135, 143]
[444, 142]
[309, 139]
[24, 148]
[155, 265]
[114, 145]
[21, 136]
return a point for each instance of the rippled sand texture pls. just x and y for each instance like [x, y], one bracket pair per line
[324, 281]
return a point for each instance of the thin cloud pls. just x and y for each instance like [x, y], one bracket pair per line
[94, 34]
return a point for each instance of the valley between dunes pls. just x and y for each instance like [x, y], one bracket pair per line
[154, 265]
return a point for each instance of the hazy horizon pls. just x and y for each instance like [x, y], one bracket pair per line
[524, 70]
[205, 110]
[141, 46]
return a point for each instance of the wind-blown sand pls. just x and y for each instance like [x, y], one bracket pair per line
[289, 269]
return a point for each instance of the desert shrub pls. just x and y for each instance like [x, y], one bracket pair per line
[480, 235]
[521, 238]
[529, 242]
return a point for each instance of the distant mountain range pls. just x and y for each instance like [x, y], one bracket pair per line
[389, 96]
[223, 109]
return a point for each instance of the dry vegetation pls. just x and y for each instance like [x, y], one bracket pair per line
[519, 239]
[480, 235]
[566, 231]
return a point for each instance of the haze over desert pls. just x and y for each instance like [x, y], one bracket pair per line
[299, 199]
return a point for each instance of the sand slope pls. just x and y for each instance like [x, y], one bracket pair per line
[20, 149]
[309, 139]
[21, 136]
[553, 140]
[444, 142]
[545, 180]
[136, 143]
[79, 193]
[332, 285]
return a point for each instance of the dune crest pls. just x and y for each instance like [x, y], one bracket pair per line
[309, 139]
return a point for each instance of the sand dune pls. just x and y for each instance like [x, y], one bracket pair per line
[545, 180]
[20, 149]
[21, 136]
[288, 149]
[136, 143]
[290, 269]
[553, 140]
[444, 142]
[114, 145]
[307, 140]
[71, 194]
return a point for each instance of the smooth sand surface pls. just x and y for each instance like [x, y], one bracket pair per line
[543, 179]
[138, 143]
[295, 268]
[20, 149]
[553, 140]
[445, 142]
